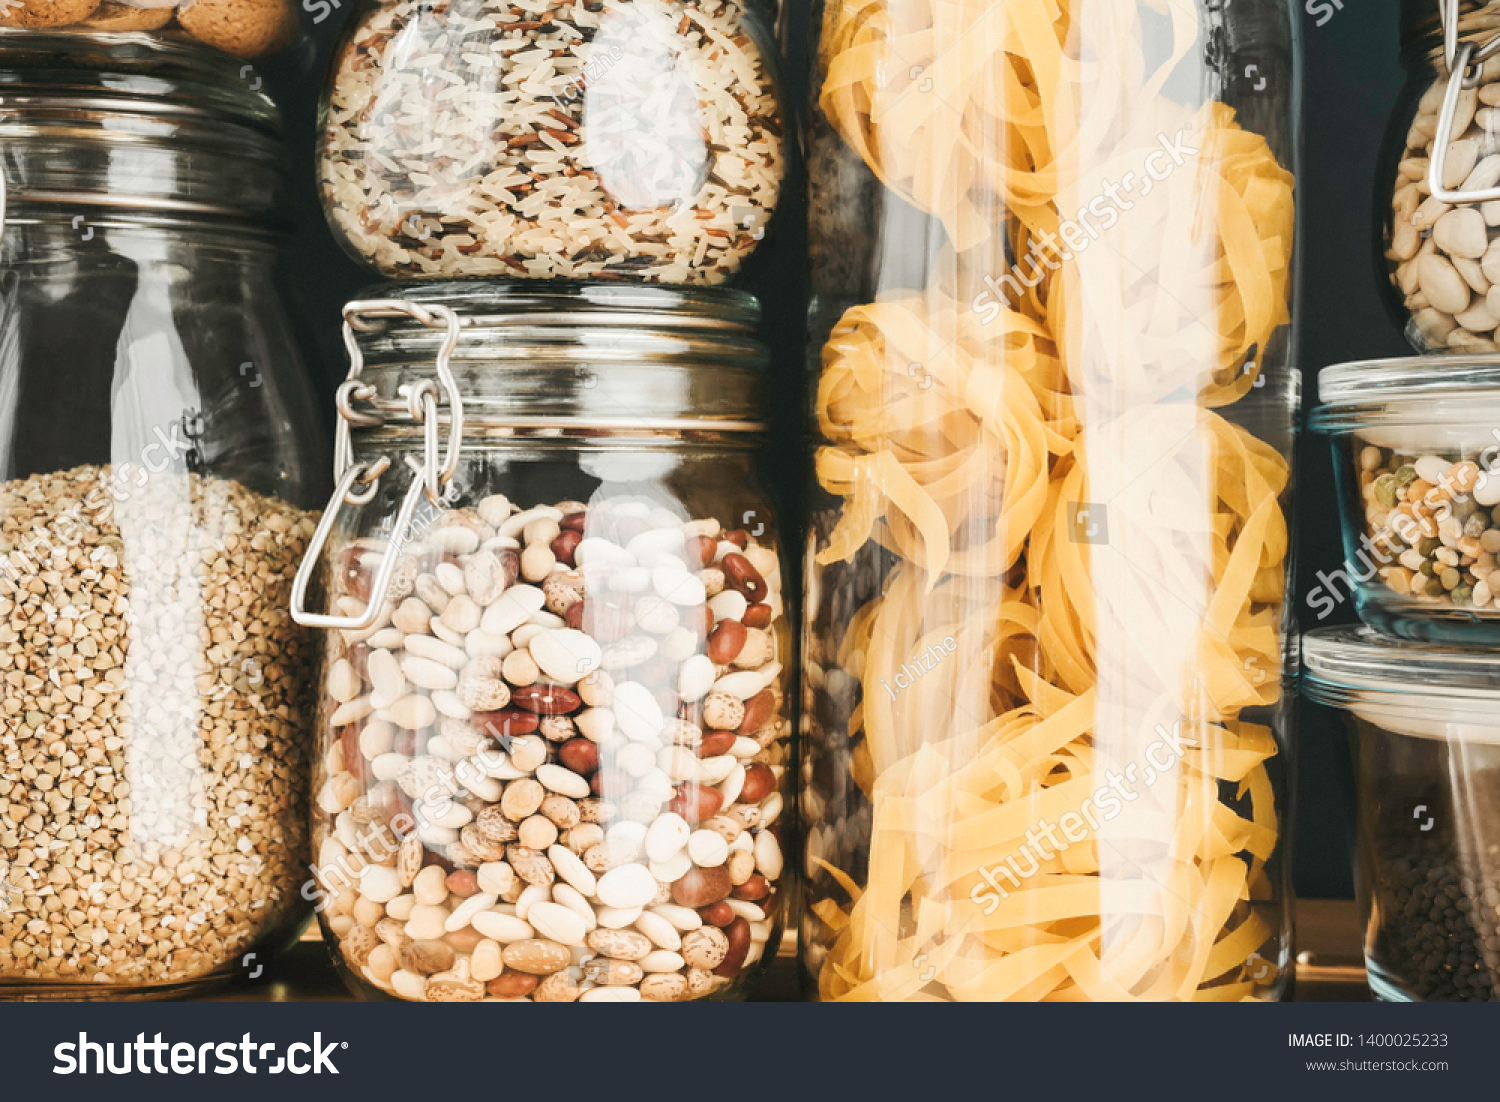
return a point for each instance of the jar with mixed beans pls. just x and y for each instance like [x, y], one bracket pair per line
[556, 680]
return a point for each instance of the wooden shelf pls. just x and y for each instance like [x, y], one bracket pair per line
[1330, 966]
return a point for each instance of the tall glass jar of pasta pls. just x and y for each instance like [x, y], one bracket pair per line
[1046, 734]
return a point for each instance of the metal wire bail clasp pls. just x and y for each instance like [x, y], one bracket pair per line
[432, 477]
[1459, 60]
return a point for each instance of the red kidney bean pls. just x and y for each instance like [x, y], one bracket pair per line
[606, 621]
[384, 800]
[757, 887]
[573, 522]
[354, 761]
[610, 783]
[757, 616]
[574, 616]
[739, 537]
[359, 658]
[699, 552]
[768, 905]
[656, 670]
[738, 933]
[508, 722]
[760, 782]
[354, 575]
[692, 711]
[726, 641]
[696, 802]
[406, 742]
[565, 545]
[463, 882]
[547, 700]
[758, 709]
[717, 914]
[511, 561]
[512, 985]
[698, 887]
[715, 743]
[579, 755]
[741, 576]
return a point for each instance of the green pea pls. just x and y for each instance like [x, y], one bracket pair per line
[1450, 578]
[1385, 491]
[1428, 567]
[1429, 545]
[1463, 595]
[1404, 474]
[1464, 507]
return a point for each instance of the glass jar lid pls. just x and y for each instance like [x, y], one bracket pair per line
[133, 121]
[1428, 690]
[1404, 377]
[1457, 404]
[599, 357]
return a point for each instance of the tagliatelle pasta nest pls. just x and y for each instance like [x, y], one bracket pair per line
[977, 112]
[968, 445]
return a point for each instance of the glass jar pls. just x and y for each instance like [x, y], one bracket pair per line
[1046, 723]
[1416, 456]
[556, 707]
[244, 28]
[1440, 213]
[1425, 742]
[159, 460]
[590, 139]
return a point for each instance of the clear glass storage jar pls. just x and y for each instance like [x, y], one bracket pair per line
[588, 139]
[557, 685]
[1439, 205]
[159, 458]
[1045, 735]
[1416, 456]
[1424, 731]
[243, 28]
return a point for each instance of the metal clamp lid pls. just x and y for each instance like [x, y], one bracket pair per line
[1459, 59]
[431, 478]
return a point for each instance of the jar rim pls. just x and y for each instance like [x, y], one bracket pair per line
[1362, 384]
[1343, 665]
[497, 304]
[131, 72]
[576, 355]
[186, 113]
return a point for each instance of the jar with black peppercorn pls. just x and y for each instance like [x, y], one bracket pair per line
[1425, 741]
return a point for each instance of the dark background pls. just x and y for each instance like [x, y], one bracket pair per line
[1351, 81]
